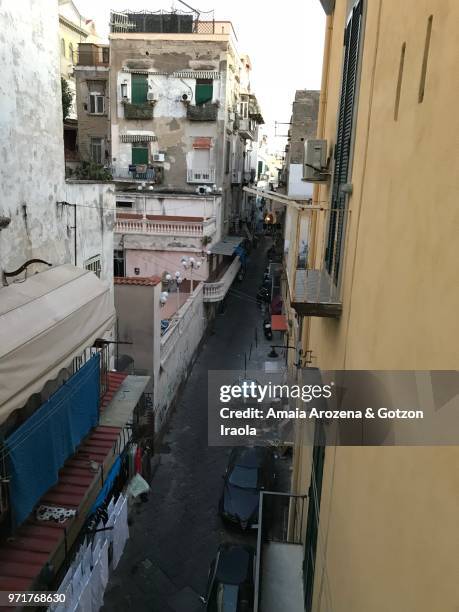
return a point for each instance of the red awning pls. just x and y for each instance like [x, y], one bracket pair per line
[202, 143]
[279, 323]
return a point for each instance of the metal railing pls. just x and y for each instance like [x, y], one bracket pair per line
[280, 519]
[201, 176]
[202, 112]
[134, 173]
[216, 292]
[315, 260]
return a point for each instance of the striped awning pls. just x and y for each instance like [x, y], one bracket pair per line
[138, 138]
[196, 74]
[184, 74]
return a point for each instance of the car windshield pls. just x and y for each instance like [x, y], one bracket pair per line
[244, 477]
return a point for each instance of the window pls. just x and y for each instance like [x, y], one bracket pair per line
[139, 88]
[312, 526]
[96, 150]
[94, 265]
[71, 52]
[204, 91]
[352, 39]
[63, 47]
[139, 153]
[244, 110]
[118, 263]
[123, 204]
[96, 104]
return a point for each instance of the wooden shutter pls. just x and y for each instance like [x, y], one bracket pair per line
[139, 88]
[139, 155]
[335, 237]
[204, 91]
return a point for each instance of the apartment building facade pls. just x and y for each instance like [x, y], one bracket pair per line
[369, 296]
[74, 29]
[63, 431]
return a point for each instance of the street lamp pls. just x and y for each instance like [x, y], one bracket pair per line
[192, 263]
[163, 298]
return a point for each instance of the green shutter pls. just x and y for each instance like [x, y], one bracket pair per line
[204, 91]
[139, 88]
[139, 155]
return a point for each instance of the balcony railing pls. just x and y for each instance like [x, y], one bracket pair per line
[315, 287]
[201, 176]
[216, 292]
[138, 111]
[168, 227]
[279, 559]
[202, 112]
[247, 128]
[137, 173]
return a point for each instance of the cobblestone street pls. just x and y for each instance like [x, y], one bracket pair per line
[175, 535]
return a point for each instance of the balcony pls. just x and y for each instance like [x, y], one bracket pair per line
[247, 128]
[216, 292]
[315, 294]
[280, 554]
[201, 176]
[314, 275]
[141, 172]
[165, 226]
[202, 112]
[138, 111]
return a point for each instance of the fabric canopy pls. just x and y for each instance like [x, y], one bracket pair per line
[45, 322]
[226, 246]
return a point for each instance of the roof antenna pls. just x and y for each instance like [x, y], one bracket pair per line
[198, 14]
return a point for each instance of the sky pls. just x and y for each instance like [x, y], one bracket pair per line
[284, 41]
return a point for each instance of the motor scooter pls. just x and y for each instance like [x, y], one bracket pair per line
[267, 330]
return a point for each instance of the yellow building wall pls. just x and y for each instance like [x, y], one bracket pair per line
[388, 524]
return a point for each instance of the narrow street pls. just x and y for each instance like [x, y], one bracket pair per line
[175, 535]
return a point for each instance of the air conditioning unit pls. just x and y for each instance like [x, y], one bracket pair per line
[158, 157]
[151, 96]
[315, 167]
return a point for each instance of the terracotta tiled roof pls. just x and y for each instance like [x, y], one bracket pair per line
[115, 380]
[145, 281]
[23, 557]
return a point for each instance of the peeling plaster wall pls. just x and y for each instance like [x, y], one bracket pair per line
[32, 148]
[175, 133]
[91, 125]
[95, 221]
[32, 174]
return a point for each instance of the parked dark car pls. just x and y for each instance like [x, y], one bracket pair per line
[230, 587]
[249, 471]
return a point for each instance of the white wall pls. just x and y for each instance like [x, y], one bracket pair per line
[32, 173]
[296, 186]
[178, 347]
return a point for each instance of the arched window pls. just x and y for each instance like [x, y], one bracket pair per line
[63, 47]
[71, 52]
